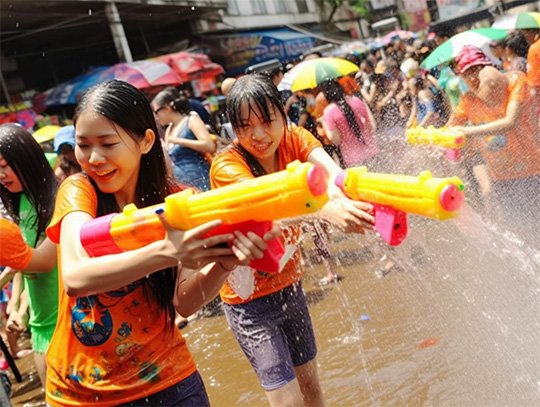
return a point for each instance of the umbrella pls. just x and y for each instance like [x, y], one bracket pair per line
[69, 92]
[518, 21]
[45, 133]
[397, 34]
[141, 74]
[310, 74]
[480, 37]
[190, 66]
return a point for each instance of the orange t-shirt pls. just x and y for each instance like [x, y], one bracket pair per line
[14, 252]
[520, 157]
[533, 64]
[230, 167]
[110, 348]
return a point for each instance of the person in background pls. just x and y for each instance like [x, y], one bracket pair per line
[28, 188]
[186, 136]
[498, 114]
[271, 320]
[115, 342]
[349, 124]
[533, 58]
[226, 129]
[497, 48]
[515, 52]
[64, 146]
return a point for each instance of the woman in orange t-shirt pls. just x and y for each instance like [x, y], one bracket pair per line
[115, 342]
[268, 313]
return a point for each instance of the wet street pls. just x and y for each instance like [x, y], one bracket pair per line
[457, 324]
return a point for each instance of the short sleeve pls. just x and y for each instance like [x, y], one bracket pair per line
[14, 252]
[76, 194]
[229, 167]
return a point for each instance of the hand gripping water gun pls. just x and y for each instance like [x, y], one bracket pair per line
[447, 137]
[393, 196]
[249, 205]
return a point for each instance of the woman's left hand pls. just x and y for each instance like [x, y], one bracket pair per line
[350, 216]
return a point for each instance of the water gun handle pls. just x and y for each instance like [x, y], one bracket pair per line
[391, 224]
[270, 262]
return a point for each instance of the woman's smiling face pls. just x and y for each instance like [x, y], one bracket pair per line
[258, 135]
[107, 154]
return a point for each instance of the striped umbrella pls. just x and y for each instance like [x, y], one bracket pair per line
[526, 20]
[480, 37]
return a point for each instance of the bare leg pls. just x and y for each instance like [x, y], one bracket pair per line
[308, 379]
[41, 367]
[286, 396]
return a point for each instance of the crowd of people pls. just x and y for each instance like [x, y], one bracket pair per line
[105, 330]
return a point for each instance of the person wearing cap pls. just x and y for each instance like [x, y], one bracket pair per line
[64, 147]
[497, 117]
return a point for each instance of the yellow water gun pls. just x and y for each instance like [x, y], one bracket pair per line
[447, 137]
[249, 205]
[393, 196]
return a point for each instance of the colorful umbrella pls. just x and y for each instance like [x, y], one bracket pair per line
[141, 74]
[45, 133]
[190, 66]
[480, 37]
[310, 74]
[397, 34]
[518, 21]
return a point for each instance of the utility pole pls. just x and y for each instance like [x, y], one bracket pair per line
[117, 30]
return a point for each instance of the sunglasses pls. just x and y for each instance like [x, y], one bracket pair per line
[158, 109]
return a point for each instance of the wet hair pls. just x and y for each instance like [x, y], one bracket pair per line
[255, 90]
[127, 107]
[334, 93]
[517, 42]
[27, 160]
[172, 97]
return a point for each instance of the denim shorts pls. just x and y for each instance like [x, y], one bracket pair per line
[190, 392]
[276, 334]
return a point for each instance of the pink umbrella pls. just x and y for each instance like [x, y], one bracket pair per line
[404, 35]
[141, 74]
[190, 66]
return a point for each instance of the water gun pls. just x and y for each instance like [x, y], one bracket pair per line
[447, 137]
[249, 205]
[393, 196]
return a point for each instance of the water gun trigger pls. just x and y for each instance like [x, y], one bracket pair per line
[391, 224]
[270, 262]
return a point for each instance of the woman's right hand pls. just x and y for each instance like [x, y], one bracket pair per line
[191, 248]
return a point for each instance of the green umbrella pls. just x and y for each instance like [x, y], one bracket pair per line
[518, 21]
[480, 37]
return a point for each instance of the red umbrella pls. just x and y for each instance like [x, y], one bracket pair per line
[141, 74]
[190, 66]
